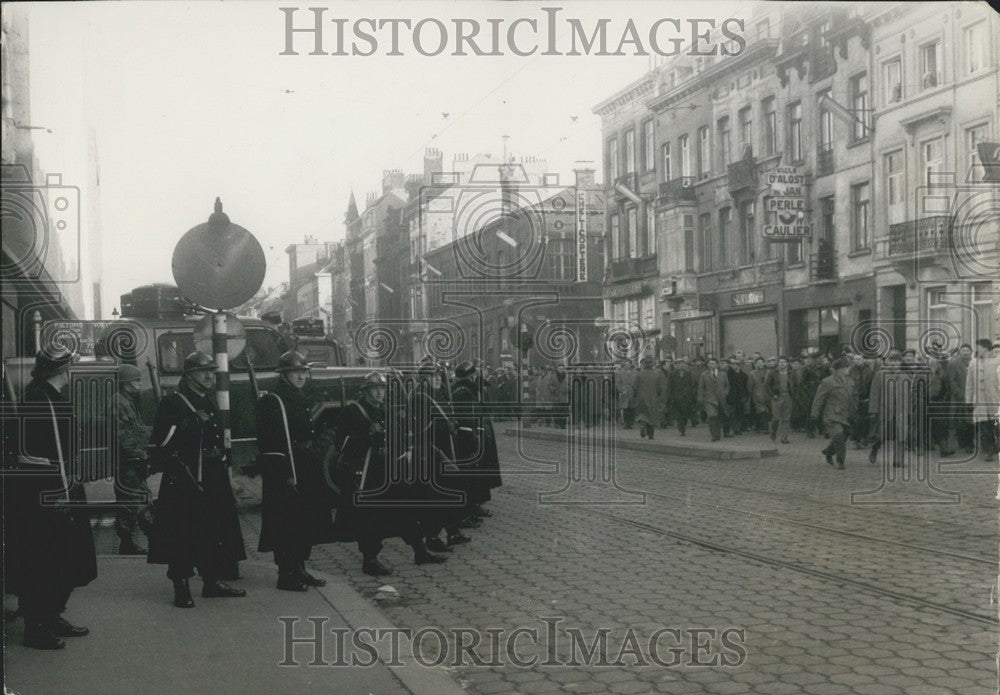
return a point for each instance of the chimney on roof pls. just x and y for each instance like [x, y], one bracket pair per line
[392, 179]
[584, 177]
[432, 164]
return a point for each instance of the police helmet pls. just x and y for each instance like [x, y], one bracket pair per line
[465, 369]
[292, 361]
[128, 373]
[198, 361]
[373, 379]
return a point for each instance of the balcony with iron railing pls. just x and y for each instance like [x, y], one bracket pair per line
[823, 266]
[927, 236]
[742, 174]
[679, 190]
[626, 269]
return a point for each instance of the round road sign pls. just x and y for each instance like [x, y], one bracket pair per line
[218, 264]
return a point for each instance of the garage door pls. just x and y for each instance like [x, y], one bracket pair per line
[750, 333]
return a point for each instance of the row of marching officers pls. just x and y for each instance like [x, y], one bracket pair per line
[400, 463]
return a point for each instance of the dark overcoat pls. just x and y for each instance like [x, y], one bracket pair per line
[51, 544]
[197, 522]
[299, 514]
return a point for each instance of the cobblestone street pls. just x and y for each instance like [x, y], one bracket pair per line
[833, 598]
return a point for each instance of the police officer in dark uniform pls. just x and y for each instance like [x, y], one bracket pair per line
[365, 467]
[50, 550]
[295, 511]
[133, 468]
[476, 440]
[197, 526]
[434, 452]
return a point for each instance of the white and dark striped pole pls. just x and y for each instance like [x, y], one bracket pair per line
[220, 340]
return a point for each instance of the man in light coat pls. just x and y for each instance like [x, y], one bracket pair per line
[982, 392]
[713, 390]
[834, 405]
[625, 385]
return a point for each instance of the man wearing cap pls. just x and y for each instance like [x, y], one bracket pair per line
[197, 525]
[133, 469]
[958, 371]
[682, 392]
[760, 405]
[982, 393]
[739, 393]
[886, 421]
[779, 388]
[295, 509]
[648, 393]
[50, 550]
[625, 386]
[814, 371]
[835, 405]
[713, 387]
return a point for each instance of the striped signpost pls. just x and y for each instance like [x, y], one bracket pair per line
[219, 265]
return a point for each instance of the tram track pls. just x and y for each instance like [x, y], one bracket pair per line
[795, 566]
[796, 522]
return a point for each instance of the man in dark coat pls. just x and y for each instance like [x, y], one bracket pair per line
[558, 392]
[739, 395]
[373, 475]
[682, 392]
[133, 469]
[887, 421]
[650, 393]
[197, 526]
[50, 550]
[433, 453]
[862, 373]
[295, 507]
[835, 404]
[475, 439]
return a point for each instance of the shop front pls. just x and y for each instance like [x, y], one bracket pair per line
[828, 317]
[748, 321]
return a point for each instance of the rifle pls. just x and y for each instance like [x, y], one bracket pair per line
[254, 388]
[154, 379]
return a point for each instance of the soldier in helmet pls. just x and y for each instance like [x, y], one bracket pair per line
[365, 467]
[295, 511]
[133, 469]
[197, 527]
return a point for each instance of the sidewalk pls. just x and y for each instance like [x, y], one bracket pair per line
[697, 443]
[140, 643]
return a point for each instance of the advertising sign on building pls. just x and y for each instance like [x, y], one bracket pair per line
[581, 235]
[786, 206]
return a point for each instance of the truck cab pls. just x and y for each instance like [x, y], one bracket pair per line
[157, 336]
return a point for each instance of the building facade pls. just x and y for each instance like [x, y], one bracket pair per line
[525, 288]
[747, 194]
[936, 226]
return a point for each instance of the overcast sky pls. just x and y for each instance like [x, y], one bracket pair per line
[188, 101]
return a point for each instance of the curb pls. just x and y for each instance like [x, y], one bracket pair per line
[704, 451]
[359, 612]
